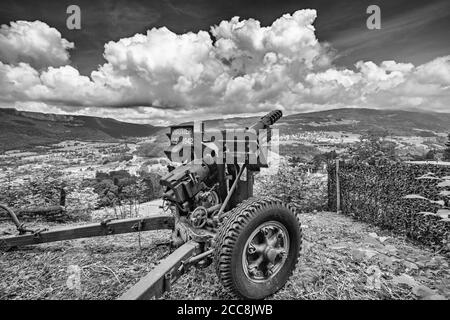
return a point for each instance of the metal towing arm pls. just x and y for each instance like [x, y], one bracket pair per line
[104, 228]
[161, 278]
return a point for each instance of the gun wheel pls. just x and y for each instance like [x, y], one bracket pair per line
[257, 247]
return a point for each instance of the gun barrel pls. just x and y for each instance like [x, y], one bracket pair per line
[268, 120]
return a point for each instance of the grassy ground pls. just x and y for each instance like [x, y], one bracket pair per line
[341, 259]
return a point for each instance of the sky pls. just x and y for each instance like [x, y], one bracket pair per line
[162, 62]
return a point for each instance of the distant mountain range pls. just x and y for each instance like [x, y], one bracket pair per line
[395, 122]
[19, 129]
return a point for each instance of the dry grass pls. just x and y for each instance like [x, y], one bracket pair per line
[336, 256]
[109, 265]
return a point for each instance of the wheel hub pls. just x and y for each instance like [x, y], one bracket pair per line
[265, 251]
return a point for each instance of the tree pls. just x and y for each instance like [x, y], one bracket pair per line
[373, 145]
[447, 149]
[321, 158]
[430, 155]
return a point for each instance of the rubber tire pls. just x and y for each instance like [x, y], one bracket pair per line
[233, 235]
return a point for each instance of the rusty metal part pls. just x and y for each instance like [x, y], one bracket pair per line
[160, 279]
[156, 222]
[230, 193]
[19, 226]
[198, 217]
[265, 251]
[187, 232]
[214, 208]
[200, 256]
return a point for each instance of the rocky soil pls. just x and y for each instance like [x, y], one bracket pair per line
[341, 259]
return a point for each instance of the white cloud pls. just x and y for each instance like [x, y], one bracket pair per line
[34, 43]
[163, 76]
[246, 44]
[436, 71]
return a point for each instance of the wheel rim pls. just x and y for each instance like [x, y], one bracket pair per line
[265, 251]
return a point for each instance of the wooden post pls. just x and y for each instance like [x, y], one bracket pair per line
[338, 189]
[62, 198]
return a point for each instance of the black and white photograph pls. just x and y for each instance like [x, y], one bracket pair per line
[246, 152]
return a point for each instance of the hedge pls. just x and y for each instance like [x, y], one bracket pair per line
[376, 194]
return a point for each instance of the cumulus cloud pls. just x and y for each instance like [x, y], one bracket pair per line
[244, 68]
[34, 43]
[436, 71]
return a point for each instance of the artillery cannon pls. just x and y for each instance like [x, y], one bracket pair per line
[253, 242]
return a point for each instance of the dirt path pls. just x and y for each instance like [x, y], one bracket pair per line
[341, 259]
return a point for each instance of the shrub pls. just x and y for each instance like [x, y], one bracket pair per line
[124, 192]
[39, 190]
[43, 190]
[306, 191]
[446, 155]
[80, 202]
[371, 147]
